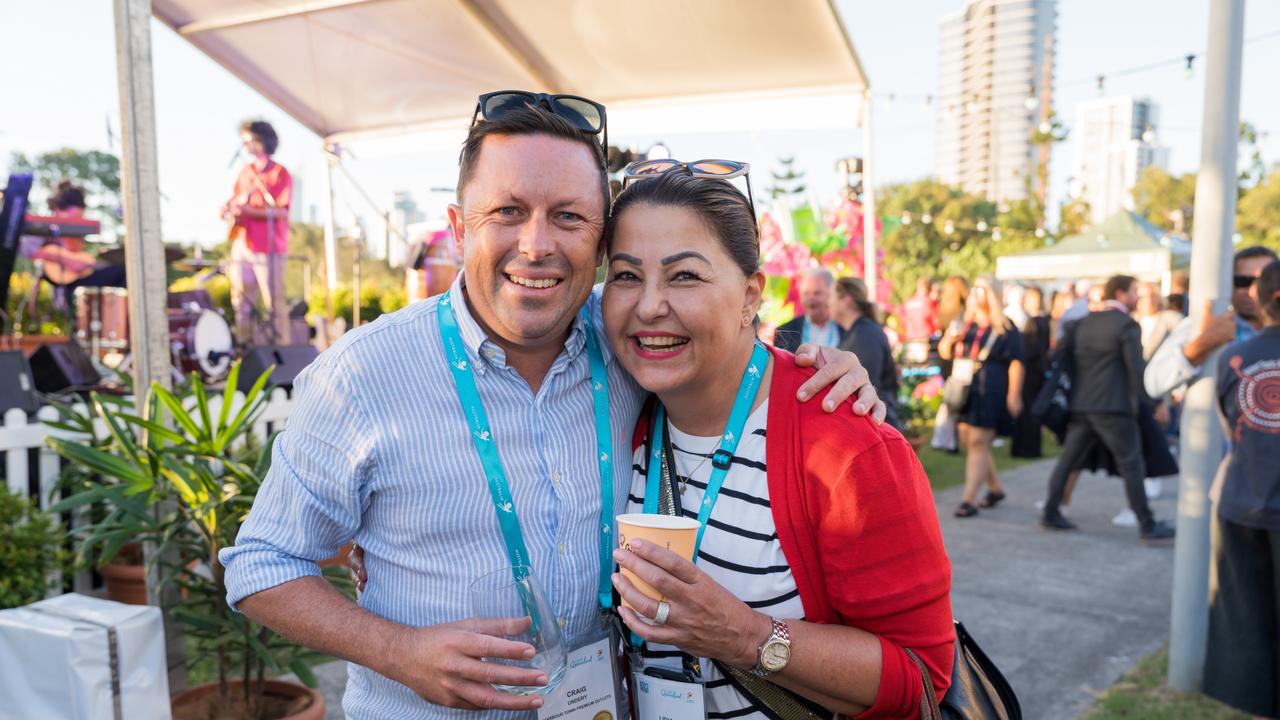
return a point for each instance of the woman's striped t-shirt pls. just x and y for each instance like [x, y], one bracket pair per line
[740, 548]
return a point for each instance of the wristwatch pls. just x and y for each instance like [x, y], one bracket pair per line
[774, 652]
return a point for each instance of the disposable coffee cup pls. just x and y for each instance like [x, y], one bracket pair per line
[677, 534]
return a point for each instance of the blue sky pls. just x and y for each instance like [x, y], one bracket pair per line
[60, 89]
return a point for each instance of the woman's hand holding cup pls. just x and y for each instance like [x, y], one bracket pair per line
[703, 618]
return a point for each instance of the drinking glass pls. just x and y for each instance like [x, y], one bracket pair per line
[508, 603]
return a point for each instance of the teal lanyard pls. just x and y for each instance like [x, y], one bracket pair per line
[723, 455]
[482, 437]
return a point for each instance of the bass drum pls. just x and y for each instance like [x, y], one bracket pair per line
[200, 342]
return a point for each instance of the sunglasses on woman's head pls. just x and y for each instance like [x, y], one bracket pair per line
[585, 115]
[706, 169]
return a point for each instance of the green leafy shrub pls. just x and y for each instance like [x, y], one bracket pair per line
[30, 549]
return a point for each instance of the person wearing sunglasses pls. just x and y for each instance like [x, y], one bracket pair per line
[1177, 362]
[474, 431]
[818, 561]
[1242, 657]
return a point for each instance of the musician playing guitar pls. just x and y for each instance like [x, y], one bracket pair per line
[259, 215]
[65, 260]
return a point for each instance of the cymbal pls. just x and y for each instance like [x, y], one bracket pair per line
[115, 256]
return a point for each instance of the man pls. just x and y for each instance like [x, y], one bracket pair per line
[259, 215]
[1179, 358]
[1104, 355]
[815, 326]
[379, 447]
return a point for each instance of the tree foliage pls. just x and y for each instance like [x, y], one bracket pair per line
[1258, 213]
[1160, 197]
[1074, 216]
[979, 232]
[788, 183]
[96, 171]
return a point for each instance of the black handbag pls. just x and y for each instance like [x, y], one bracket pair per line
[978, 691]
[1053, 403]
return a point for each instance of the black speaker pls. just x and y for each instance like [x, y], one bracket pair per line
[16, 387]
[288, 359]
[60, 366]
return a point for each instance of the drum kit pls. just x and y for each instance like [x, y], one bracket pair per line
[200, 339]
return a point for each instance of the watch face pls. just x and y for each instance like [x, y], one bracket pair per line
[774, 655]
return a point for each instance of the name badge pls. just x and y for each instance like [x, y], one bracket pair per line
[589, 690]
[963, 369]
[662, 699]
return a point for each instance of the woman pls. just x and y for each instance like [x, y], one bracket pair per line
[781, 541]
[865, 338]
[1035, 342]
[1243, 656]
[67, 262]
[951, 303]
[1156, 321]
[1062, 299]
[990, 347]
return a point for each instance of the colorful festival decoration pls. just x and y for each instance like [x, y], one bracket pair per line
[832, 239]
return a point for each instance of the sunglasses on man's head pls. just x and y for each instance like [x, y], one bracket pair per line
[586, 115]
[1243, 281]
[706, 169]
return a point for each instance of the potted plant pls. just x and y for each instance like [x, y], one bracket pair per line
[30, 551]
[120, 564]
[919, 398]
[183, 477]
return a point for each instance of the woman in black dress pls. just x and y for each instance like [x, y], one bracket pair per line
[988, 341]
[1035, 341]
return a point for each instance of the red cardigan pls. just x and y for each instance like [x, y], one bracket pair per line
[856, 521]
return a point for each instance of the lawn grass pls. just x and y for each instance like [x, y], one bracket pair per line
[947, 470]
[1141, 695]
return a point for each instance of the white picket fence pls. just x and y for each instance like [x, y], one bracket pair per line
[22, 440]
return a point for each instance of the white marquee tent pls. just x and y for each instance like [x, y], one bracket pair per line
[343, 67]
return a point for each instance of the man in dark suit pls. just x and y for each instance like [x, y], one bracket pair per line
[1103, 353]
[815, 325]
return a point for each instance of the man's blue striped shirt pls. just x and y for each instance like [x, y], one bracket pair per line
[377, 449]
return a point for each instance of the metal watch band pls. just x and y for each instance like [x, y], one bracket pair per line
[779, 632]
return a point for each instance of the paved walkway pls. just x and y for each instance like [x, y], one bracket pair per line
[1063, 615]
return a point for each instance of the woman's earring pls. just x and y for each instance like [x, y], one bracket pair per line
[746, 319]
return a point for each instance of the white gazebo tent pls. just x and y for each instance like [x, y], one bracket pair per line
[1125, 243]
[351, 68]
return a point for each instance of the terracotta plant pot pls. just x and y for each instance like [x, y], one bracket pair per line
[126, 583]
[339, 560]
[197, 702]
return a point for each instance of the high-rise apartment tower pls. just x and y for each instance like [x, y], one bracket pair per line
[995, 88]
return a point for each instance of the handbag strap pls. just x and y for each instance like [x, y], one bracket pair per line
[929, 708]
[775, 701]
